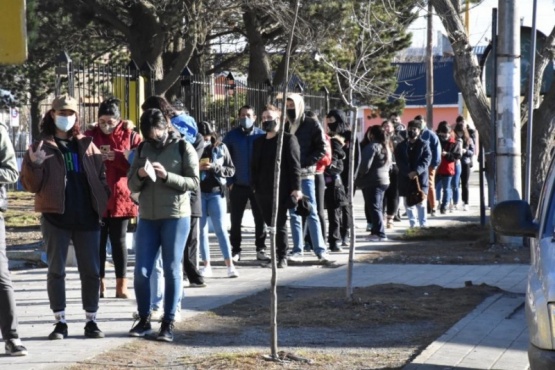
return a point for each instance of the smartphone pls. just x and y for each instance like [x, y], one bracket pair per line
[204, 160]
[105, 148]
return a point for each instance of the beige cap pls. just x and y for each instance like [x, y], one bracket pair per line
[65, 102]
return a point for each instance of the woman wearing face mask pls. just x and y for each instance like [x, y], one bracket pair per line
[164, 170]
[263, 168]
[66, 172]
[215, 167]
[468, 148]
[450, 153]
[115, 139]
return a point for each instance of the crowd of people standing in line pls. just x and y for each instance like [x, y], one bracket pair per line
[88, 187]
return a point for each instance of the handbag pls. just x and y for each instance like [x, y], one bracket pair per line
[416, 196]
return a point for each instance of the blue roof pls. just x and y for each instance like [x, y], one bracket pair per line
[411, 82]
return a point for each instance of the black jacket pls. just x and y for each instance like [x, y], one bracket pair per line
[418, 159]
[311, 141]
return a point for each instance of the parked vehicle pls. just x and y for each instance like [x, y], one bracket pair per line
[515, 218]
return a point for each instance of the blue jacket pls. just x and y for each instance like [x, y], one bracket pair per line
[435, 146]
[240, 146]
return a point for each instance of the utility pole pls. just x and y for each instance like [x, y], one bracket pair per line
[430, 69]
[508, 158]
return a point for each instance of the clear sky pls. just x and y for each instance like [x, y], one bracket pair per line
[480, 20]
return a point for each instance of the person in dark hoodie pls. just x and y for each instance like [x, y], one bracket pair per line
[313, 147]
[450, 153]
[239, 142]
[337, 119]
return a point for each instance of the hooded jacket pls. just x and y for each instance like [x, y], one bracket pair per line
[122, 139]
[309, 134]
[343, 130]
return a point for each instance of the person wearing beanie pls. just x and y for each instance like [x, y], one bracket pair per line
[66, 172]
[115, 138]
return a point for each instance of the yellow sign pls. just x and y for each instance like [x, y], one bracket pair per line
[130, 106]
[13, 32]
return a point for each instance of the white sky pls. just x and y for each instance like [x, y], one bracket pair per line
[480, 20]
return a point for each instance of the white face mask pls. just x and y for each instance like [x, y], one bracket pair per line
[64, 123]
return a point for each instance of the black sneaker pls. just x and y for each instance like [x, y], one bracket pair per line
[14, 347]
[165, 333]
[60, 331]
[282, 263]
[92, 330]
[142, 328]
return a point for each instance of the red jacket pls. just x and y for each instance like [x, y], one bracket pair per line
[447, 164]
[120, 140]
[326, 159]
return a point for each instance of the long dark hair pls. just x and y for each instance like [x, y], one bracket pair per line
[48, 126]
[461, 126]
[378, 136]
[150, 119]
[159, 102]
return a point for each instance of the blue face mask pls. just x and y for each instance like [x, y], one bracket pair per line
[246, 123]
[64, 123]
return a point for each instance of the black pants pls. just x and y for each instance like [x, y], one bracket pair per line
[334, 216]
[266, 203]
[320, 184]
[391, 197]
[116, 229]
[465, 175]
[346, 216]
[190, 270]
[238, 197]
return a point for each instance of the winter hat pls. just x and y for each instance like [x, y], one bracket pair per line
[186, 126]
[109, 107]
[65, 102]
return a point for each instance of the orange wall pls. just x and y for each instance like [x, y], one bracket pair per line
[448, 114]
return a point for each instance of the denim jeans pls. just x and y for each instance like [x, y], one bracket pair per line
[214, 205]
[157, 285]
[444, 190]
[313, 222]
[375, 196]
[169, 236]
[456, 183]
[419, 209]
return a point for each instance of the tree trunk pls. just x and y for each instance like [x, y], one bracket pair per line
[466, 70]
[36, 116]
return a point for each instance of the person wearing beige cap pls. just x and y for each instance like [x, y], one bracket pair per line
[65, 171]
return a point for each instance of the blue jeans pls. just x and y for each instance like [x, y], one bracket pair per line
[170, 236]
[456, 182]
[419, 209]
[444, 190]
[313, 222]
[214, 205]
[157, 283]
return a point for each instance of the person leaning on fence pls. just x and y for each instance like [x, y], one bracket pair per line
[239, 142]
[263, 172]
[66, 172]
[115, 139]
[8, 315]
[413, 158]
[164, 171]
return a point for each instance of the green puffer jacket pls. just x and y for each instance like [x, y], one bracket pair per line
[169, 198]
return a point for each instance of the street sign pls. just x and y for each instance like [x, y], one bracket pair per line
[13, 32]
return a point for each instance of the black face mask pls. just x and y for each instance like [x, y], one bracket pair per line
[291, 114]
[411, 134]
[269, 126]
[158, 143]
[443, 137]
[333, 126]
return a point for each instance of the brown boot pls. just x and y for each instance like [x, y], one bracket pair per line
[102, 288]
[121, 288]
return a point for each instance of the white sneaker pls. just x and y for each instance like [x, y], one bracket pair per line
[206, 271]
[376, 238]
[324, 257]
[465, 207]
[295, 257]
[232, 272]
[236, 257]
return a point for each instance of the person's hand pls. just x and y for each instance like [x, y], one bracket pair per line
[111, 155]
[297, 194]
[207, 166]
[230, 187]
[413, 174]
[142, 173]
[38, 156]
[444, 153]
[160, 170]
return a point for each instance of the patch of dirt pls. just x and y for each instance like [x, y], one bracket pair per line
[458, 244]
[22, 222]
[384, 327]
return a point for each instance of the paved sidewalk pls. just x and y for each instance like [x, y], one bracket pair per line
[493, 336]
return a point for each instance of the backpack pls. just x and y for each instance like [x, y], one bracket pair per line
[135, 195]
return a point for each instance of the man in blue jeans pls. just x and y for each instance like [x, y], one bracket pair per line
[313, 147]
